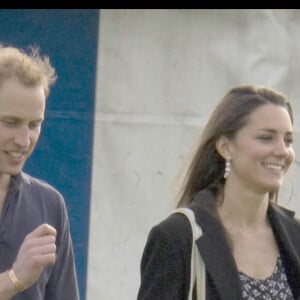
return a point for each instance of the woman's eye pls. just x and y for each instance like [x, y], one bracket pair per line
[266, 138]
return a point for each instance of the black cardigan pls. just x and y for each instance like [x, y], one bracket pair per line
[165, 264]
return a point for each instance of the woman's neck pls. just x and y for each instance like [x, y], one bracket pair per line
[243, 208]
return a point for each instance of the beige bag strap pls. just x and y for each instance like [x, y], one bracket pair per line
[198, 275]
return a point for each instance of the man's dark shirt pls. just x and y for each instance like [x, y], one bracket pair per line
[29, 203]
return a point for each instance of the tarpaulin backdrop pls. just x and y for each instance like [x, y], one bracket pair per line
[159, 75]
[134, 90]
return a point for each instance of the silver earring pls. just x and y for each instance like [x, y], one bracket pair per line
[227, 167]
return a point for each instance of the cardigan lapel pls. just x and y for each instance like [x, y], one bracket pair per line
[287, 234]
[217, 256]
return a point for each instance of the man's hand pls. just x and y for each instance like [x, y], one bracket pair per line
[36, 252]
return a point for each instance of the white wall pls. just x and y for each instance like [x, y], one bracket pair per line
[160, 73]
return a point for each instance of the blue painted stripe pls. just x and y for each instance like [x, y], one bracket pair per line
[64, 153]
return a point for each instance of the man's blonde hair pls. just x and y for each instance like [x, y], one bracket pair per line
[27, 66]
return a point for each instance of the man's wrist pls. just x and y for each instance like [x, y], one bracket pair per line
[20, 286]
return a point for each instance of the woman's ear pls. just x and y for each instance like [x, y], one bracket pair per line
[222, 146]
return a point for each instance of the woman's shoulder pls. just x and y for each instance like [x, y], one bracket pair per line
[174, 229]
[173, 223]
[284, 214]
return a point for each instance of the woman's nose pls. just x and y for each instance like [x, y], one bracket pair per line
[281, 148]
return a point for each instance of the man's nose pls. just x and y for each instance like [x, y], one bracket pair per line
[22, 137]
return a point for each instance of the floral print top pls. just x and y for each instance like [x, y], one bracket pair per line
[274, 287]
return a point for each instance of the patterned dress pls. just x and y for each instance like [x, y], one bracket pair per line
[274, 287]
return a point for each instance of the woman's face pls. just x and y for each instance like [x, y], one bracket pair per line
[262, 152]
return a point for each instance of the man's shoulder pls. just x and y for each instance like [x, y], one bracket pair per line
[35, 184]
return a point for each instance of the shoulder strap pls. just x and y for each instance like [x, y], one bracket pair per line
[198, 274]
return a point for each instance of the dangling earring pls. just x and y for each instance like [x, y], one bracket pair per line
[227, 167]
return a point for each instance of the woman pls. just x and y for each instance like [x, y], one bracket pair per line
[250, 244]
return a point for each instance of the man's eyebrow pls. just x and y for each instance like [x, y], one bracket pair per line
[14, 118]
[8, 117]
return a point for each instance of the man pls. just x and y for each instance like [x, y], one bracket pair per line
[36, 251]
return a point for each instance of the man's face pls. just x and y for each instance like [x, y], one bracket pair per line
[21, 115]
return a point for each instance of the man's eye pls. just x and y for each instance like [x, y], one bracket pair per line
[288, 141]
[10, 123]
[34, 125]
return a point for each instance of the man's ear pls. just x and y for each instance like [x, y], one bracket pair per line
[222, 146]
